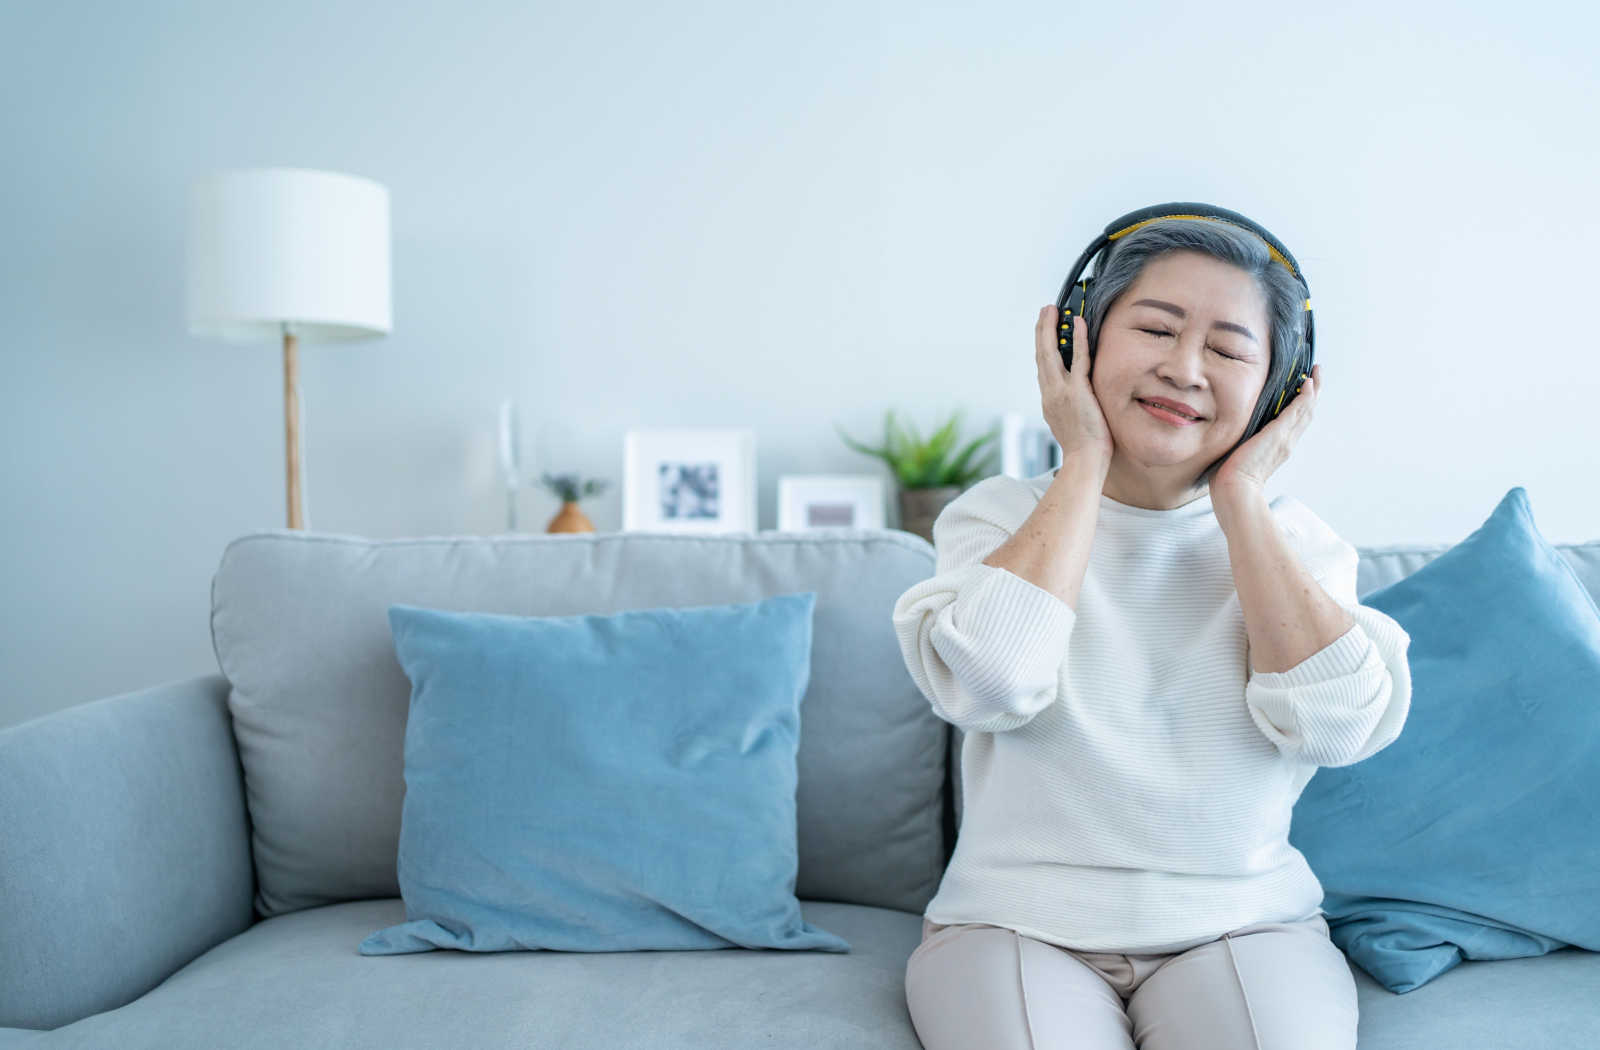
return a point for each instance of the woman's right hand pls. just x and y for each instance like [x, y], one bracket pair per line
[1070, 406]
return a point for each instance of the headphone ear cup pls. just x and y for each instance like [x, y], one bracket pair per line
[1074, 308]
[1291, 386]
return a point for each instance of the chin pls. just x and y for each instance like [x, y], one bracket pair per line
[1148, 430]
[1148, 453]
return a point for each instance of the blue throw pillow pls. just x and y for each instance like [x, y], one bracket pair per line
[603, 783]
[1474, 835]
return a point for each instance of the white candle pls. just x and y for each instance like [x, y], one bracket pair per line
[509, 468]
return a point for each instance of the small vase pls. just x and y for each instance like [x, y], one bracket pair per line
[570, 519]
[919, 508]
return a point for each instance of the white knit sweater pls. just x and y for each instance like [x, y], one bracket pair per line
[1127, 779]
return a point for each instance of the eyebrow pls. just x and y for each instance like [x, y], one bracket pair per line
[1174, 309]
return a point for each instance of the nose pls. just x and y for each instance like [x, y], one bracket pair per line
[1184, 364]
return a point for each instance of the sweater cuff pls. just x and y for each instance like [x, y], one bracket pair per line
[1346, 655]
[1020, 622]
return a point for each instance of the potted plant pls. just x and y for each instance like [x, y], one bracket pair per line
[930, 473]
[569, 491]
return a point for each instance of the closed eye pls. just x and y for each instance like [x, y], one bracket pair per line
[1154, 331]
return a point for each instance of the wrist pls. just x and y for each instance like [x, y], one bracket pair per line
[1085, 466]
[1232, 502]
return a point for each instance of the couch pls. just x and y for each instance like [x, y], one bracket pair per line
[178, 869]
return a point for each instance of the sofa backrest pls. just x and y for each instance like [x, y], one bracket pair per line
[299, 623]
[1377, 568]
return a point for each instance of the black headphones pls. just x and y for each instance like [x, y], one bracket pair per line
[1070, 300]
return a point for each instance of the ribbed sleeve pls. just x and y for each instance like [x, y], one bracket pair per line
[1343, 703]
[983, 645]
[1349, 700]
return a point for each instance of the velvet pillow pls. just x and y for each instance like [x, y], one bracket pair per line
[1475, 834]
[602, 783]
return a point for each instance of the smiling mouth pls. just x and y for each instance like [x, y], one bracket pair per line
[1164, 408]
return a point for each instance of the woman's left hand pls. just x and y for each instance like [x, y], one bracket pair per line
[1248, 467]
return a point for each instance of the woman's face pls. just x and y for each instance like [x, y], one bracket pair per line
[1190, 328]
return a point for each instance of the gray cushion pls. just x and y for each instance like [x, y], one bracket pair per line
[298, 981]
[308, 986]
[319, 701]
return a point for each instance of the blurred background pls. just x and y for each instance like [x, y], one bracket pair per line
[787, 217]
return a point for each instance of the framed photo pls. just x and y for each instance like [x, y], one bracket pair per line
[1027, 447]
[689, 479]
[830, 501]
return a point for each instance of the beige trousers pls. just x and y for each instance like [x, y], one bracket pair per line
[1268, 986]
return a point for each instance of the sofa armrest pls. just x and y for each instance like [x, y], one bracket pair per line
[124, 848]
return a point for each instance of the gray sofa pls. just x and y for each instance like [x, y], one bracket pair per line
[194, 865]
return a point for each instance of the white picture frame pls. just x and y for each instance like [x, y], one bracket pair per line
[1027, 446]
[813, 502]
[689, 479]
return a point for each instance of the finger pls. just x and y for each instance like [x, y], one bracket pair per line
[1046, 358]
[1307, 402]
[1080, 345]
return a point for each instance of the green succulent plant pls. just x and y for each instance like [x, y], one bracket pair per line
[566, 486]
[919, 464]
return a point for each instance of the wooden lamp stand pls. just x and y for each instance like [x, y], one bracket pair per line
[291, 422]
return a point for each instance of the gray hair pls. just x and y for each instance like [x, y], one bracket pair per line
[1129, 254]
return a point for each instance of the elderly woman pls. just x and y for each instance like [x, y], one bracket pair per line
[1149, 661]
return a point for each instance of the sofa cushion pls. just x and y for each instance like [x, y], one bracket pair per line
[602, 783]
[307, 986]
[304, 984]
[300, 626]
[1474, 835]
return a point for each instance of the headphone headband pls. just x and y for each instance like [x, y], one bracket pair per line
[1070, 300]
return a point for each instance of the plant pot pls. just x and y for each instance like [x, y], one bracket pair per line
[570, 519]
[919, 508]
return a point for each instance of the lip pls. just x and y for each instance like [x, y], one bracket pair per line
[1166, 416]
[1186, 409]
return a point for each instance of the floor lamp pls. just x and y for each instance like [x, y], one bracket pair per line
[294, 253]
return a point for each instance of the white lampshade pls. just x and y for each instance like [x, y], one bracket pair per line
[270, 246]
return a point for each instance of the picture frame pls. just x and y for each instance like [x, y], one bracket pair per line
[812, 502]
[1027, 446]
[689, 479]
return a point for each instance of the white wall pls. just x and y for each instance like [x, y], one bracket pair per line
[631, 214]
